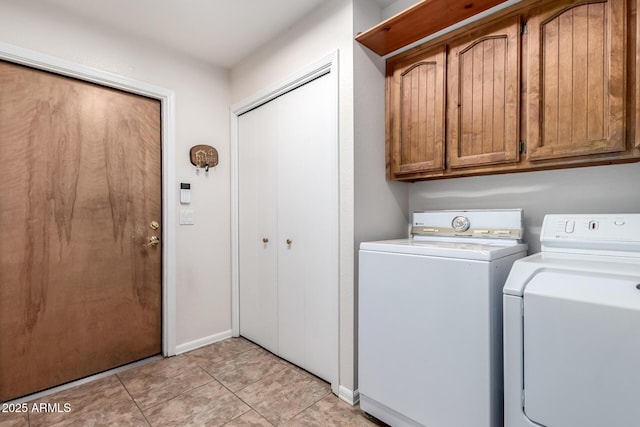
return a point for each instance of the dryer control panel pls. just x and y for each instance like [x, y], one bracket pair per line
[599, 233]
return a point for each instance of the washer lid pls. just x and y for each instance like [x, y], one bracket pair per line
[447, 249]
[581, 349]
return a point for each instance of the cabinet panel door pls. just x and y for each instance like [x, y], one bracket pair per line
[415, 114]
[483, 85]
[308, 218]
[576, 79]
[257, 179]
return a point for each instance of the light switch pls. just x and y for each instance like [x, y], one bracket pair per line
[186, 217]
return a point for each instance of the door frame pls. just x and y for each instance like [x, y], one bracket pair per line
[326, 65]
[166, 97]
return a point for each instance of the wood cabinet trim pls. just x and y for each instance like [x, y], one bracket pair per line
[420, 20]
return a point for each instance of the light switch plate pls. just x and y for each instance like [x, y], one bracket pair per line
[186, 217]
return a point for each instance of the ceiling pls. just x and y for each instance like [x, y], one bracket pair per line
[221, 32]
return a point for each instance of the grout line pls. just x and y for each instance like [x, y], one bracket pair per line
[188, 390]
[242, 414]
[312, 404]
[133, 399]
[164, 402]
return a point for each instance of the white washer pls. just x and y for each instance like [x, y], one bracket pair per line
[572, 326]
[430, 319]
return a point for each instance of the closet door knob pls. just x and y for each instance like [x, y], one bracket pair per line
[265, 240]
[289, 241]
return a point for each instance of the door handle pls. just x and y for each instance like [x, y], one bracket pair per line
[153, 241]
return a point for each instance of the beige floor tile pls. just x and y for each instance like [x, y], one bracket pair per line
[221, 350]
[14, 419]
[244, 369]
[123, 415]
[279, 397]
[209, 405]
[249, 419]
[91, 403]
[331, 411]
[252, 388]
[162, 380]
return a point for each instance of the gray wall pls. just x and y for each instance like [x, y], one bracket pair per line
[597, 189]
[381, 208]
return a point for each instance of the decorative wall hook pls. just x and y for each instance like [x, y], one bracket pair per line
[204, 156]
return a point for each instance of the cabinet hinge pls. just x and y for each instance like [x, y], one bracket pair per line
[523, 146]
[523, 28]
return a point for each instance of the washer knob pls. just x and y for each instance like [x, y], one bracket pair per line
[460, 224]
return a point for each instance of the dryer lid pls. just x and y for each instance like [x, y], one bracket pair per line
[581, 349]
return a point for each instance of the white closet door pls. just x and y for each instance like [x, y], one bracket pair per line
[257, 176]
[308, 217]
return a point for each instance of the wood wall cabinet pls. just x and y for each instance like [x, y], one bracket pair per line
[484, 97]
[541, 85]
[415, 115]
[576, 85]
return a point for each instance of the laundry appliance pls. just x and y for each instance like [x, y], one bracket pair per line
[430, 319]
[572, 326]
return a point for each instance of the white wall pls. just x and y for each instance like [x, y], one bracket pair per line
[397, 7]
[597, 189]
[201, 101]
[381, 207]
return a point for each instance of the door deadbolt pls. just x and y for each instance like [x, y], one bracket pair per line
[154, 225]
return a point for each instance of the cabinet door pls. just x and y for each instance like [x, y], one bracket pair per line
[576, 79]
[415, 114]
[257, 203]
[483, 91]
[308, 227]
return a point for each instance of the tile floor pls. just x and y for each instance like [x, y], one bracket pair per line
[232, 383]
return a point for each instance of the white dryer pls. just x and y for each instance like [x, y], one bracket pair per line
[572, 326]
[430, 319]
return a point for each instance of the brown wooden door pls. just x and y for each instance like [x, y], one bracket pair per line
[484, 95]
[80, 183]
[576, 79]
[415, 114]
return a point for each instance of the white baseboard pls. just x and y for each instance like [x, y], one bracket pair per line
[349, 396]
[201, 342]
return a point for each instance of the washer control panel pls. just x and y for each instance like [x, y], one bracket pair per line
[591, 231]
[502, 224]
